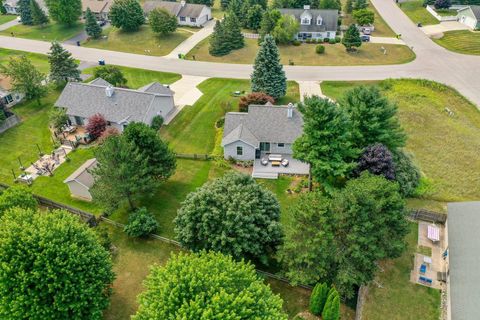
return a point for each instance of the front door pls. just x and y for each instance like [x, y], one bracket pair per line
[265, 147]
[258, 154]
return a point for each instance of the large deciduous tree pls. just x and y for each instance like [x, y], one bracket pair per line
[126, 14]
[373, 118]
[65, 11]
[364, 17]
[62, 65]
[162, 22]
[25, 78]
[57, 118]
[112, 75]
[347, 234]
[351, 39]
[325, 142]
[286, 29]
[330, 4]
[122, 173]
[268, 75]
[377, 159]
[17, 196]
[254, 16]
[38, 16]
[227, 290]
[269, 21]
[233, 215]
[52, 266]
[92, 28]
[407, 173]
[161, 160]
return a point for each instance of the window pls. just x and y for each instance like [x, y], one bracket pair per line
[305, 21]
[281, 145]
[265, 146]
[319, 21]
[183, 19]
[9, 99]
[239, 151]
[193, 20]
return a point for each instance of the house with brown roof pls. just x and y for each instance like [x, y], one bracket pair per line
[100, 8]
[188, 14]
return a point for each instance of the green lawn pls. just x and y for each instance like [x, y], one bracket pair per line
[50, 32]
[382, 29]
[446, 148]
[461, 41]
[399, 298]
[4, 18]
[446, 12]
[335, 55]
[38, 60]
[415, 10]
[143, 41]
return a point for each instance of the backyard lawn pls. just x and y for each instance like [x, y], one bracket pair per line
[445, 147]
[143, 41]
[4, 18]
[415, 10]
[461, 41]
[368, 54]
[38, 60]
[50, 32]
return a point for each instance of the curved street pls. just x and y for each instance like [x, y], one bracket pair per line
[432, 62]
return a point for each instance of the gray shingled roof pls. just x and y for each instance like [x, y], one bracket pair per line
[262, 124]
[464, 252]
[101, 82]
[86, 99]
[156, 87]
[175, 8]
[83, 175]
[476, 11]
[329, 22]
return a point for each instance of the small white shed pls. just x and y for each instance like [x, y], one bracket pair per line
[80, 181]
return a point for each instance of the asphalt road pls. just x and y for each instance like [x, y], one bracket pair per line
[433, 62]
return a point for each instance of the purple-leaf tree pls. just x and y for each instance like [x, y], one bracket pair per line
[378, 160]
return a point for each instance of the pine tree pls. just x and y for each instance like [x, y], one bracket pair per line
[351, 40]
[318, 298]
[268, 75]
[25, 12]
[331, 310]
[218, 44]
[91, 26]
[38, 16]
[233, 32]
[62, 66]
[360, 4]
[349, 6]
[235, 6]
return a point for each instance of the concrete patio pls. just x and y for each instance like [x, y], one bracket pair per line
[295, 167]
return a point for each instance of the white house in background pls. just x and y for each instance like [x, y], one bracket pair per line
[314, 23]
[8, 98]
[11, 6]
[80, 181]
[470, 16]
[119, 106]
[188, 14]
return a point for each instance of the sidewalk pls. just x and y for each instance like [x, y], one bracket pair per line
[9, 24]
[387, 40]
[310, 88]
[439, 29]
[191, 42]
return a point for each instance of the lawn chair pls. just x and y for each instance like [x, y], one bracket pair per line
[423, 269]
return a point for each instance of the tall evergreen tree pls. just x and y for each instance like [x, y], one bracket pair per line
[25, 12]
[268, 23]
[91, 26]
[218, 44]
[268, 75]
[351, 40]
[65, 11]
[236, 6]
[318, 298]
[62, 66]
[233, 31]
[38, 16]
[331, 311]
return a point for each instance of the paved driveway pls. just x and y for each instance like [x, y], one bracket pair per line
[9, 24]
[192, 41]
[439, 29]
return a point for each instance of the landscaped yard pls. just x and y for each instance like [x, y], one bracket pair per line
[143, 41]
[415, 10]
[368, 54]
[38, 60]
[382, 29]
[4, 18]
[461, 41]
[50, 32]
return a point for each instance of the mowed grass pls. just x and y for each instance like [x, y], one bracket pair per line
[415, 10]
[335, 55]
[4, 18]
[143, 41]
[461, 41]
[445, 147]
[50, 32]
[382, 29]
[398, 297]
[38, 60]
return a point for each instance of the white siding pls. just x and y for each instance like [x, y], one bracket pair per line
[230, 150]
[77, 190]
[204, 16]
[287, 149]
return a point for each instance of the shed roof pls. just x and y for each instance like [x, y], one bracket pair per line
[82, 175]
[476, 11]
[175, 8]
[464, 247]
[97, 6]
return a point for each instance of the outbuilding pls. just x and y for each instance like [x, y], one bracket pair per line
[80, 181]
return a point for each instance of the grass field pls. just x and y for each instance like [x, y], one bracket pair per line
[143, 41]
[38, 60]
[415, 10]
[446, 148]
[461, 41]
[4, 18]
[50, 32]
[368, 54]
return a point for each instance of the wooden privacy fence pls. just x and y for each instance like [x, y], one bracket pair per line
[194, 156]
[8, 123]
[251, 35]
[430, 216]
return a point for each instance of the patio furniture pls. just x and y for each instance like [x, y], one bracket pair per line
[276, 163]
[264, 162]
[425, 280]
[285, 163]
[433, 233]
[275, 157]
[423, 268]
[25, 178]
[427, 260]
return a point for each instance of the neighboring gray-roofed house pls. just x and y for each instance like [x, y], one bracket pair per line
[264, 129]
[470, 16]
[119, 106]
[188, 14]
[463, 282]
[11, 6]
[80, 181]
[314, 24]
[100, 8]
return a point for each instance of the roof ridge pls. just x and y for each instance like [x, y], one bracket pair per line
[122, 89]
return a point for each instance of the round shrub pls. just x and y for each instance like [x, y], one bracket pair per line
[308, 41]
[157, 122]
[207, 286]
[233, 215]
[406, 173]
[326, 40]
[338, 40]
[320, 49]
[141, 223]
[332, 41]
[296, 43]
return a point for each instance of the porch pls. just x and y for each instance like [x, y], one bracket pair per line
[271, 170]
